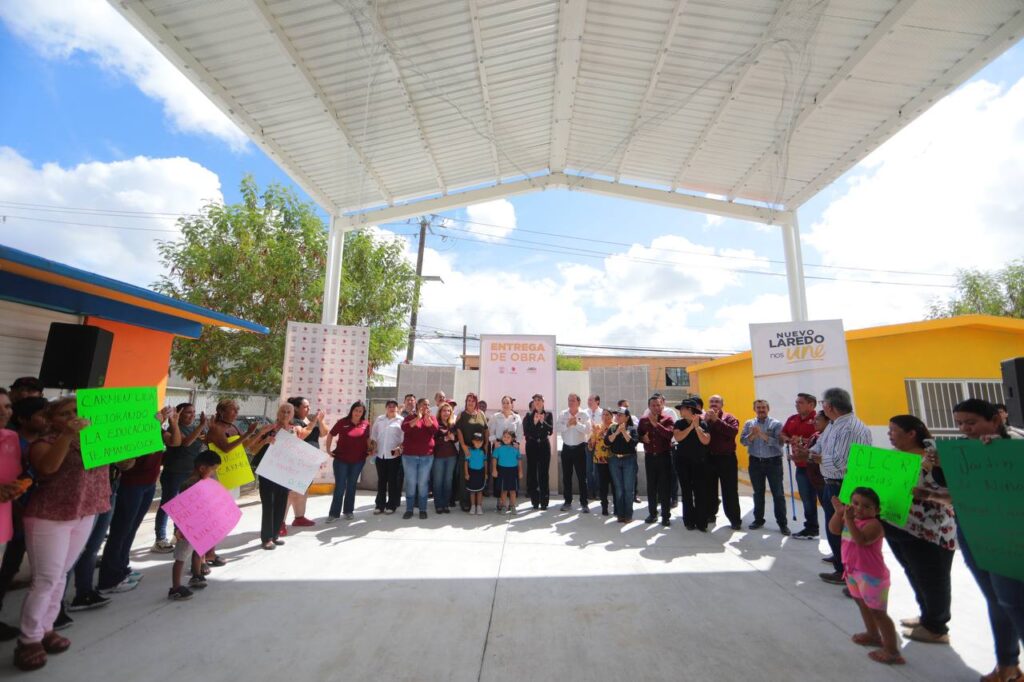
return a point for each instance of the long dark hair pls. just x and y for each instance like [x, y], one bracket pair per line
[983, 409]
[358, 403]
[908, 423]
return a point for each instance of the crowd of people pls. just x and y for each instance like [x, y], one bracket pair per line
[71, 520]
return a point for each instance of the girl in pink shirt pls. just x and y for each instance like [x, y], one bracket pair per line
[866, 576]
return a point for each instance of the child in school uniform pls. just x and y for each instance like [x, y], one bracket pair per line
[507, 470]
[206, 464]
[476, 461]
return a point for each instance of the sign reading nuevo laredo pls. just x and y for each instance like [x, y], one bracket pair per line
[518, 366]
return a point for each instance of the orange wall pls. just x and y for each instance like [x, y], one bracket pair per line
[138, 356]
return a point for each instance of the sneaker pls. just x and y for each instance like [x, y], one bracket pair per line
[332, 519]
[407, 515]
[283, 530]
[666, 522]
[389, 511]
[756, 525]
[197, 582]
[217, 561]
[566, 507]
[349, 517]
[87, 602]
[584, 509]
[828, 559]
[301, 521]
[806, 535]
[378, 511]
[180, 593]
[125, 585]
[162, 546]
[513, 511]
[834, 578]
[785, 530]
[63, 621]
[423, 515]
[134, 576]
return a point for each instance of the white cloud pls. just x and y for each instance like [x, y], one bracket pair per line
[942, 194]
[491, 220]
[125, 251]
[59, 29]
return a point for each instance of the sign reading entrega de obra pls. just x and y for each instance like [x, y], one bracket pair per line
[797, 346]
[501, 351]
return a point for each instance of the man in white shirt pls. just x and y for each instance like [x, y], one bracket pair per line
[573, 427]
[386, 442]
[593, 411]
[439, 399]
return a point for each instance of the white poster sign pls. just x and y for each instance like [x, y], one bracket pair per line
[328, 365]
[291, 462]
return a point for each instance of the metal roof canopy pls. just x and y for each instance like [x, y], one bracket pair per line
[389, 109]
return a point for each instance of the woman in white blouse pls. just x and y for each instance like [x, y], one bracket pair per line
[506, 420]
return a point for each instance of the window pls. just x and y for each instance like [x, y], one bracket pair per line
[676, 376]
[933, 399]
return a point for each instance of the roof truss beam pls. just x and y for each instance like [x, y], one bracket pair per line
[883, 29]
[719, 207]
[652, 83]
[485, 93]
[274, 26]
[572, 15]
[139, 16]
[734, 90]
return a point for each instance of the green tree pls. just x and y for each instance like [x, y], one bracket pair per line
[1000, 292]
[567, 363]
[263, 260]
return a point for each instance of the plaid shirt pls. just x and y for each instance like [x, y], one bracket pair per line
[834, 444]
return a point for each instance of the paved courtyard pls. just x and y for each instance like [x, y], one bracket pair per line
[541, 596]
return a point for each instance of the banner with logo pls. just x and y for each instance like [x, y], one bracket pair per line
[326, 364]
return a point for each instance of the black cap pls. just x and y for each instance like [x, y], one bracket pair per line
[691, 404]
[477, 436]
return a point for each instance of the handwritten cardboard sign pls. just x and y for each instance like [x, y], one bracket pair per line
[234, 470]
[892, 474]
[987, 486]
[205, 514]
[291, 462]
[122, 424]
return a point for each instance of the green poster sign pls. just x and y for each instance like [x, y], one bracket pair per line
[987, 485]
[121, 424]
[892, 474]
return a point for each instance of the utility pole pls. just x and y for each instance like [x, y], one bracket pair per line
[416, 292]
[463, 346]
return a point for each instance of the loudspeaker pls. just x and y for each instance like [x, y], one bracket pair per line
[76, 356]
[1013, 382]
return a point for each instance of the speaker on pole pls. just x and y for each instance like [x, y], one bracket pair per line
[76, 356]
[1013, 382]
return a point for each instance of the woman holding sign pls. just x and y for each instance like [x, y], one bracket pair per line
[979, 420]
[273, 496]
[58, 519]
[309, 430]
[924, 546]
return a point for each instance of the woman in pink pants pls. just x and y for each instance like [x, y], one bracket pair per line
[58, 519]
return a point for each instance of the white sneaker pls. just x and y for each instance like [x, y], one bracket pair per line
[125, 585]
[162, 546]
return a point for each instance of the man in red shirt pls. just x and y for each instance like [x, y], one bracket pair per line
[797, 433]
[722, 464]
[655, 431]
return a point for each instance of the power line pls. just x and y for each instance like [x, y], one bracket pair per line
[111, 227]
[53, 208]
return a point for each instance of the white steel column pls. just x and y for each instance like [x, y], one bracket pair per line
[332, 276]
[794, 268]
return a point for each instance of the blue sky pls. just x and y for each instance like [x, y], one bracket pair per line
[85, 127]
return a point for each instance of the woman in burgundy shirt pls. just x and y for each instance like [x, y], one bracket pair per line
[353, 434]
[445, 454]
[58, 519]
[418, 456]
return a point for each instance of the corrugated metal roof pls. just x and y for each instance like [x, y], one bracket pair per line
[366, 104]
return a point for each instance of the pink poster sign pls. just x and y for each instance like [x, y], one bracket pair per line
[205, 514]
[518, 366]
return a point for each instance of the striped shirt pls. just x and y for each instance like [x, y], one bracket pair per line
[834, 444]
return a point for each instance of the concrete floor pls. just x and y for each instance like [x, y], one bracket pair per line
[543, 596]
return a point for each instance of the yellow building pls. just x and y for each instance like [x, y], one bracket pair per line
[922, 368]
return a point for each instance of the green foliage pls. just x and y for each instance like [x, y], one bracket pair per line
[263, 260]
[564, 362]
[1000, 293]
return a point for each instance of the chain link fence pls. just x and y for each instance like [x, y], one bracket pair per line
[249, 404]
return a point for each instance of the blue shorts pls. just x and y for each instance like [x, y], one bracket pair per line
[475, 483]
[508, 478]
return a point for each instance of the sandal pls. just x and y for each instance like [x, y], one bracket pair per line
[1000, 674]
[29, 656]
[883, 656]
[54, 643]
[864, 639]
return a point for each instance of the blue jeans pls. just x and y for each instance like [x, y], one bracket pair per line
[442, 472]
[130, 509]
[623, 471]
[1005, 600]
[417, 473]
[592, 482]
[770, 469]
[835, 542]
[85, 567]
[170, 484]
[809, 498]
[346, 475]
